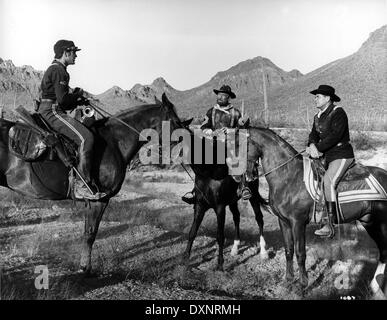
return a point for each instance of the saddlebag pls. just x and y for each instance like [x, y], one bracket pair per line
[25, 142]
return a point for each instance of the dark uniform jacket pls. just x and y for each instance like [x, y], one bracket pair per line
[217, 118]
[55, 86]
[330, 134]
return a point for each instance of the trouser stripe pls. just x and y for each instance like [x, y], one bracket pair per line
[56, 114]
[339, 172]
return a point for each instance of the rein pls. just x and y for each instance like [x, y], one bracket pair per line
[100, 110]
[281, 165]
[205, 198]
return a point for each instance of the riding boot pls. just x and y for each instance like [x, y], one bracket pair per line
[189, 197]
[81, 190]
[328, 230]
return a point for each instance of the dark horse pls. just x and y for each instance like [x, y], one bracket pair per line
[115, 146]
[293, 205]
[216, 189]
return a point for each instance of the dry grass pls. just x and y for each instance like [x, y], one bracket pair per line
[143, 235]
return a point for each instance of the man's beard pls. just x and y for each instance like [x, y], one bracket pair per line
[222, 103]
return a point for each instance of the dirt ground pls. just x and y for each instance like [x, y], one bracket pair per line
[140, 242]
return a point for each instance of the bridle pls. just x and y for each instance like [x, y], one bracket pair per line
[100, 110]
[282, 164]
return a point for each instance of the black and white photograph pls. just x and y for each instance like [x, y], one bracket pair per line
[193, 156]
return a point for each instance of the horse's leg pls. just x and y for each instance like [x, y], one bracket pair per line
[289, 248]
[259, 218]
[236, 216]
[93, 217]
[298, 230]
[199, 210]
[376, 227]
[221, 218]
[378, 283]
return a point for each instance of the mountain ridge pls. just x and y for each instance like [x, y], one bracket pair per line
[360, 80]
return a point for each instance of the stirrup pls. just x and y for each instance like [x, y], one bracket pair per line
[82, 192]
[246, 193]
[327, 231]
[189, 199]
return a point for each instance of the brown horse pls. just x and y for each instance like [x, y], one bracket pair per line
[115, 146]
[293, 205]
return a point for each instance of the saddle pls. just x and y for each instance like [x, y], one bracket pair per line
[33, 139]
[357, 184]
[356, 171]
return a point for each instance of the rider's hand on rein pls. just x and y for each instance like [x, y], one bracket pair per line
[313, 152]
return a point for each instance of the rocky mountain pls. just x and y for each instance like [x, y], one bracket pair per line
[18, 85]
[116, 99]
[359, 79]
[148, 92]
[245, 78]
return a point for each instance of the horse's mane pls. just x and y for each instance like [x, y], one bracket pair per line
[136, 109]
[281, 141]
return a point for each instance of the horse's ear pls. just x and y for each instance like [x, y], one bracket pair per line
[187, 122]
[166, 102]
[157, 101]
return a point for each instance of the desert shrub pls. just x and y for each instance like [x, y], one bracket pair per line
[363, 141]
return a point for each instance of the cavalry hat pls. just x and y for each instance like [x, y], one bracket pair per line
[64, 45]
[226, 89]
[326, 91]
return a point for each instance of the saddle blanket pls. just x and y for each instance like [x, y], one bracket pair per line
[362, 189]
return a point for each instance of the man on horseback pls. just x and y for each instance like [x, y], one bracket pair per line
[330, 137]
[57, 98]
[219, 119]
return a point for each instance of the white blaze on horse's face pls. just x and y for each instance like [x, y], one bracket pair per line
[321, 101]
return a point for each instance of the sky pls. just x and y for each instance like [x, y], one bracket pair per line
[125, 42]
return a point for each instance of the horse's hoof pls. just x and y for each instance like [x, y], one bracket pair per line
[87, 272]
[90, 274]
[264, 255]
[289, 284]
[234, 252]
[289, 280]
[304, 282]
[219, 268]
[83, 269]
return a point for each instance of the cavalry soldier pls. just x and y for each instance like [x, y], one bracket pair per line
[218, 119]
[330, 137]
[56, 99]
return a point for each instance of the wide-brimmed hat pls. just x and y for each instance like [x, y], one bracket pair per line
[326, 91]
[226, 89]
[64, 45]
